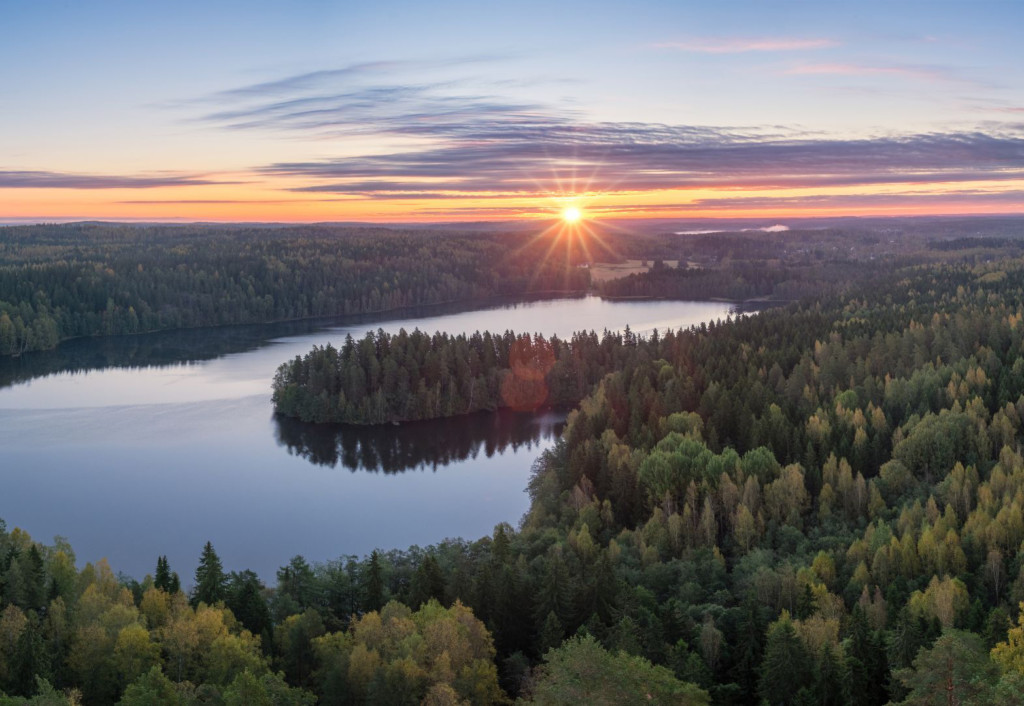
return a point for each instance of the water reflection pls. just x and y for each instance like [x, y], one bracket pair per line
[417, 445]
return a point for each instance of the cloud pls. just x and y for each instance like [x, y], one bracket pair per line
[930, 73]
[964, 201]
[306, 81]
[343, 75]
[617, 157]
[480, 144]
[66, 180]
[178, 202]
[966, 196]
[739, 45]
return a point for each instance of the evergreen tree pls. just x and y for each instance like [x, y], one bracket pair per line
[165, 579]
[244, 596]
[210, 581]
[866, 663]
[373, 584]
[749, 647]
[784, 670]
[427, 583]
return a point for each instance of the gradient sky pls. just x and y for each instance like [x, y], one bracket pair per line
[415, 111]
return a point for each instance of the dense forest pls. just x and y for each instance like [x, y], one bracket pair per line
[96, 279]
[83, 279]
[739, 282]
[816, 505]
[413, 376]
[819, 504]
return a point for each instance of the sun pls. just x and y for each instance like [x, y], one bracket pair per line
[571, 215]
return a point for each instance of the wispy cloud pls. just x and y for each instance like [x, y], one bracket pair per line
[157, 202]
[740, 45]
[615, 157]
[375, 98]
[961, 197]
[915, 72]
[67, 180]
[322, 79]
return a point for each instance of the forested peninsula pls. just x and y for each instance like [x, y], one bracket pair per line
[413, 376]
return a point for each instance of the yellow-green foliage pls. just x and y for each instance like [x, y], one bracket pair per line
[434, 651]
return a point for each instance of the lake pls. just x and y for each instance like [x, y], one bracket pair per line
[133, 447]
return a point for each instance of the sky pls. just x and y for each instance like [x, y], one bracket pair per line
[441, 111]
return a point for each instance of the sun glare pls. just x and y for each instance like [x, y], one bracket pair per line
[571, 215]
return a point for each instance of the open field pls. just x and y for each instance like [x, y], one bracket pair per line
[605, 271]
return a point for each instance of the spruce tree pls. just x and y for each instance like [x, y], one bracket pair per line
[245, 599]
[209, 580]
[165, 579]
[162, 578]
[373, 584]
[427, 583]
[784, 670]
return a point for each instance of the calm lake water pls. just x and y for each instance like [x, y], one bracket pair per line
[134, 447]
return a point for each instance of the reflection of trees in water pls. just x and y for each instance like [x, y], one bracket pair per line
[149, 350]
[416, 445]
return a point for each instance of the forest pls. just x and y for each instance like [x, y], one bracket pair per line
[739, 282]
[86, 279]
[414, 376]
[819, 504]
[59, 282]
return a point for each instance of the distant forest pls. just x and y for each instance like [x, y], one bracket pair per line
[59, 282]
[96, 279]
[819, 504]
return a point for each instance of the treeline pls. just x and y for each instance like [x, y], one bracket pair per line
[377, 631]
[414, 376]
[739, 282]
[90, 279]
[974, 243]
[87, 279]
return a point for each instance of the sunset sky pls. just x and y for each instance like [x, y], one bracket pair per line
[444, 111]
